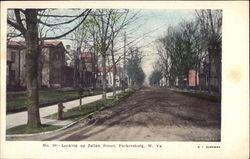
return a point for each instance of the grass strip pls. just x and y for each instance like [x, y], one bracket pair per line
[24, 129]
[17, 101]
[76, 114]
[201, 96]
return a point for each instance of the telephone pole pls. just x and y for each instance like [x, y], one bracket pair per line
[124, 63]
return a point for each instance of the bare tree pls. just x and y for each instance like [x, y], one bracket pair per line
[109, 23]
[134, 69]
[210, 22]
[194, 44]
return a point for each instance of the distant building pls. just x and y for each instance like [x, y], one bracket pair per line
[110, 75]
[88, 62]
[164, 82]
[193, 78]
[209, 75]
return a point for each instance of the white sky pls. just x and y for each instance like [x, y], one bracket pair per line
[160, 20]
[154, 22]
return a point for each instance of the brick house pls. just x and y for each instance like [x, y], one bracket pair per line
[15, 74]
[52, 62]
[202, 77]
[193, 78]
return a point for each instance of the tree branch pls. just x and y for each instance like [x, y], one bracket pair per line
[50, 25]
[18, 19]
[16, 26]
[64, 34]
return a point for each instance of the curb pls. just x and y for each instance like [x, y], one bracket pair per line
[193, 92]
[48, 132]
[42, 133]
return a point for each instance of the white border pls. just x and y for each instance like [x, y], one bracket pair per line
[235, 88]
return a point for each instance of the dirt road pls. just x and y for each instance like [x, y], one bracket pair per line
[151, 114]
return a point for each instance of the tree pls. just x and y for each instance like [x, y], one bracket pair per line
[26, 23]
[210, 23]
[108, 23]
[155, 77]
[177, 53]
[194, 44]
[134, 70]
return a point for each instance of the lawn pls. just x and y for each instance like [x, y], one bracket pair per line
[23, 129]
[201, 96]
[75, 114]
[16, 101]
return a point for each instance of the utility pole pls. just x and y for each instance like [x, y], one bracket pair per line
[124, 63]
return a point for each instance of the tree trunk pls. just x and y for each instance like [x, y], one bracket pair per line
[95, 77]
[32, 45]
[80, 83]
[80, 104]
[124, 63]
[76, 70]
[218, 70]
[114, 81]
[209, 72]
[166, 80]
[40, 65]
[104, 74]
[94, 63]
[114, 67]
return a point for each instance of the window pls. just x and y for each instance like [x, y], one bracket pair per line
[12, 76]
[13, 56]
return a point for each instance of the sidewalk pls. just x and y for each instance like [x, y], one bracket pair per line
[20, 118]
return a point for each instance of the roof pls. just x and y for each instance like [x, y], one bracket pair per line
[86, 54]
[109, 69]
[51, 43]
[16, 44]
[87, 57]
[23, 45]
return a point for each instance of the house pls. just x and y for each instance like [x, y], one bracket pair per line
[193, 78]
[15, 74]
[208, 76]
[110, 75]
[51, 64]
[164, 82]
[88, 62]
[68, 76]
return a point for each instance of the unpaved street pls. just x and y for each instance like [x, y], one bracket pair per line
[151, 114]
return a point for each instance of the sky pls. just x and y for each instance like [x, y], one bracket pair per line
[158, 20]
[150, 25]
[154, 24]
